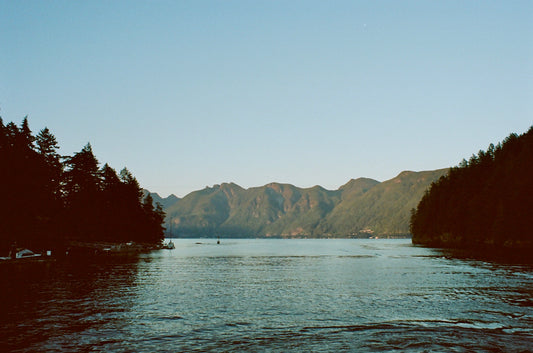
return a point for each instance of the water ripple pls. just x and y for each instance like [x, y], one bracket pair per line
[271, 295]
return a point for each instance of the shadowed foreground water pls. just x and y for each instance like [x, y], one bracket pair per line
[269, 295]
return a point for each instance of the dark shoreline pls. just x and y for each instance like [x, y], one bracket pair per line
[229, 236]
[501, 254]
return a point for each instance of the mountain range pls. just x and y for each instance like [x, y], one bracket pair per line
[361, 208]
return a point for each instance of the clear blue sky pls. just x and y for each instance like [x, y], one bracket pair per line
[194, 93]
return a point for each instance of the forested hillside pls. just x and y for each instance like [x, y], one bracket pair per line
[484, 202]
[362, 208]
[49, 200]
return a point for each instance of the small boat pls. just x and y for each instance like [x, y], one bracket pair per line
[169, 245]
[23, 255]
[26, 253]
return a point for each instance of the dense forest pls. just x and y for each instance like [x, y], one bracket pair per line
[486, 202]
[50, 200]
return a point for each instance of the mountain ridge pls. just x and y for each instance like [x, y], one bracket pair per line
[361, 207]
[164, 201]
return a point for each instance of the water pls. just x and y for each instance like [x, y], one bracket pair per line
[269, 296]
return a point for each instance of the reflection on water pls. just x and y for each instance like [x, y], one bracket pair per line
[47, 302]
[274, 295]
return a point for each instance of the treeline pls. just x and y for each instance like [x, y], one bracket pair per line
[486, 202]
[49, 200]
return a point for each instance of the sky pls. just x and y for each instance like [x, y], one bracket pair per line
[188, 94]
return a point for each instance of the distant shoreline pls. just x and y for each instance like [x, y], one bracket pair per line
[398, 236]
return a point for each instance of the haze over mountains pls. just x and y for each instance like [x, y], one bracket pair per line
[361, 208]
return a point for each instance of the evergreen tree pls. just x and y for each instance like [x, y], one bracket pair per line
[158, 221]
[47, 147]
[12, 132]
[148, 204]
[25, 138]
[132, 188]
[46, 201]
[3, 136]
[110, 180]
[485, 202]
[154, 217]
[82, 184]
[82, 174]
[26, 214]
[130, 194]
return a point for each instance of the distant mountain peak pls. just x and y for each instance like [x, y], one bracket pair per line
[280, 187]
[359, 185]
[230, 186]
[165, 202]
[405, 173]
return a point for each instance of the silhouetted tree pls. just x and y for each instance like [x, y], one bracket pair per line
[487, 201]
[24, 137]
[82, 176]
[154, 217]
[27, 209]
[47, 202]
[3, 136]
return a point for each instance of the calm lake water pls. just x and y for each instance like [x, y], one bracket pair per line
[269, 295]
